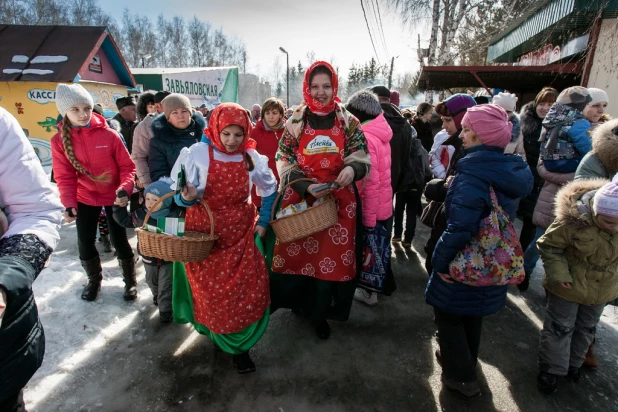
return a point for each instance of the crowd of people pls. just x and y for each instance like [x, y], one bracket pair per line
[551, 166]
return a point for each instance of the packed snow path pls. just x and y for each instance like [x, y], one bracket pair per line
[111, 355]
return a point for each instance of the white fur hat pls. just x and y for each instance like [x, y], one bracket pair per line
[507, 101]
[598, 96]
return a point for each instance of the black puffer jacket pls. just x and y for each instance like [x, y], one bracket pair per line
[401, 144]
[22, 341]
[167, 142]
[424, 132]
[531, 126]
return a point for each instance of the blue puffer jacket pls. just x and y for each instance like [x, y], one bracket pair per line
[467, 203]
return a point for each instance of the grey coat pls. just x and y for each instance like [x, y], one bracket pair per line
[602, 161]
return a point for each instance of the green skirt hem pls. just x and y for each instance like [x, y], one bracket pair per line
[232, 343]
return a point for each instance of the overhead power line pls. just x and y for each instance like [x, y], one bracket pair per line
[381, 26]
[369, 30]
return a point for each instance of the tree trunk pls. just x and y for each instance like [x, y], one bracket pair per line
[433, 40]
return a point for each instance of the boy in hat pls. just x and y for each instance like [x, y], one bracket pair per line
[581, 275]
[158, 272]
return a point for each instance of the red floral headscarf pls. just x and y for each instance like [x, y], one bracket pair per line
[223, 116]
[314, 105]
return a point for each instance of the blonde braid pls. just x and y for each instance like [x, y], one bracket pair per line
[68, 150]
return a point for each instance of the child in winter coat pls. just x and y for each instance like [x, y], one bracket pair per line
[375, 190]
[91, 164]
[158, 272]
[565, 139]
[580, 258]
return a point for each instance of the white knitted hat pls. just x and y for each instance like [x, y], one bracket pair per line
[606, 199]
[507, 101]
[68, 95]
[597, 95]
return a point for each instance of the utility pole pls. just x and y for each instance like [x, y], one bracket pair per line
[390, 74]
[287, 89]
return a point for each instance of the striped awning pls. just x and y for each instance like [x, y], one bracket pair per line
[557, 15]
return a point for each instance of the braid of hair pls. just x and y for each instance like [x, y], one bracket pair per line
[250, 163]
[68, 150]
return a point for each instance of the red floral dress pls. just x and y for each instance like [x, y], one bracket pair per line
[230, 288]
[330, 254]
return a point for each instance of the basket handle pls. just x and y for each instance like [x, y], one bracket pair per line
[272, 213]
[162, 198]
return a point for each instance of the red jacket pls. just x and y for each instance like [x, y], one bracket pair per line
[267, 145]
[98, 149]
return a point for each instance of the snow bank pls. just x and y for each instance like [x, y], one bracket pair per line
[20, 58]
[38, 71]
[11, 71]
[76, 330]
[49, 59]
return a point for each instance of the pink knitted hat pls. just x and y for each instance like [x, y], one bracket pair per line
[606, 199]
[490, 123]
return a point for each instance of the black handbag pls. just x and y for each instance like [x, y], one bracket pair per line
[431, 213]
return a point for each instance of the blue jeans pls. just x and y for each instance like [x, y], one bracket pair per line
[531, 256]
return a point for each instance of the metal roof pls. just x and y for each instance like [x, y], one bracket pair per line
[64, 49]
[514, 78]
[557, 15]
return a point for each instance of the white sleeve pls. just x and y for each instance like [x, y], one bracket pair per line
[195, 171]
[434, 155]
[261, 175]
[26, 195]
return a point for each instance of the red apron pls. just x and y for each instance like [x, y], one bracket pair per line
[230, 288]
[329, 254]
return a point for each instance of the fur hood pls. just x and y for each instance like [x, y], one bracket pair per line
[113, 124]
[142, 102]
[573, 201]
[529, 121]
[605, 144]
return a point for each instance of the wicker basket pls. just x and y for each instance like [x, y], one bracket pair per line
[192, 247]
[306, 223]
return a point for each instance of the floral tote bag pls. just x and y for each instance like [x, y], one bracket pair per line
[494, 255]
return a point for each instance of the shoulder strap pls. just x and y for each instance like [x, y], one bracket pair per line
[494, 198]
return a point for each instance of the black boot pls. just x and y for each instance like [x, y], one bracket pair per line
[243, 363]
[323, 330]
[547, 382]
[573, 375]
[107, 244]
[130, 278]
[95, 276]
[523, 286]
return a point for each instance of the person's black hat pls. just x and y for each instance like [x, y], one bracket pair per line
[381, 91]
[125, 101]
[159, 96]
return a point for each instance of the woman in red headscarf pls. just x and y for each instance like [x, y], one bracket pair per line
[315, 276]
[226, 296]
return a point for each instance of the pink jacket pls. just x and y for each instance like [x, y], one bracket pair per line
[376, 191]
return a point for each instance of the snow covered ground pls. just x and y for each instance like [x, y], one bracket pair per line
[112, 355]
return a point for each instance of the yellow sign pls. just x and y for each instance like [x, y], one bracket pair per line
[34, 106]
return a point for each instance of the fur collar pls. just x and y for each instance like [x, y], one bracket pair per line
[529, 121]
[573, 202]
[605, 144]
